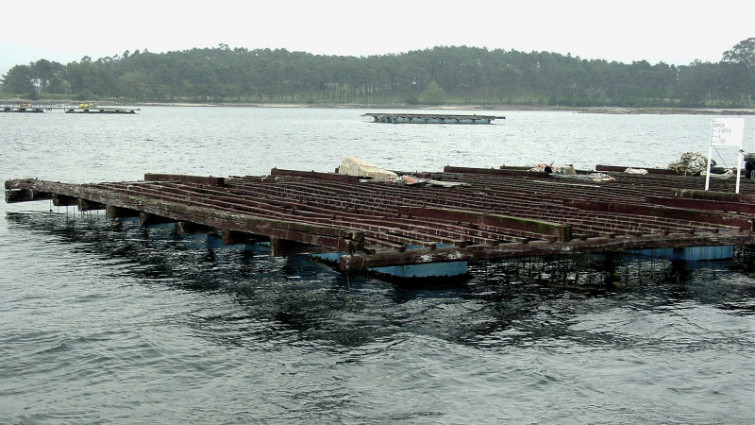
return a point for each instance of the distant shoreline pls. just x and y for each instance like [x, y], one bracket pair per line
[619, 110]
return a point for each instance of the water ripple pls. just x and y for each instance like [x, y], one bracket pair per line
[106, 322]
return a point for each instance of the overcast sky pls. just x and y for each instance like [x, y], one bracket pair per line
[670, 31]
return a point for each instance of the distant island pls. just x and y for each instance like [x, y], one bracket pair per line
[461, 76]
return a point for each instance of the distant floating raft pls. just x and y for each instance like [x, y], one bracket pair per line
[84, 108]
[432, 118]
[20, 108]
[101, 110]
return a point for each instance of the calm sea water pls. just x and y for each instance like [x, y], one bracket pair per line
[106, 323]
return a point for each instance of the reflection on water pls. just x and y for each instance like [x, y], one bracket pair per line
[518, 301]
[111, 306]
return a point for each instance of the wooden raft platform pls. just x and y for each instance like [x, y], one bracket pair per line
[488, 214]
[77, 109]
[401, 118]
[21, 108]
[100, 110]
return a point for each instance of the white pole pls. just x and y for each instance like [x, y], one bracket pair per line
[740, 159]
[707, 176]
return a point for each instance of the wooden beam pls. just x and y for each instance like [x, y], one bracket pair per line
[360, 262]
[147, 219]
[209, 180]
[338, 239]
[703, 204]
[540, 228]
[15, 193]
[230, 237]
[19, 195]
[496, 172]
[277, 172]
[720, 218]
[86, 205]
[112, 212]
[189, 228]
[64, 201]
[713, 195]
[621, 169]
[284, 248]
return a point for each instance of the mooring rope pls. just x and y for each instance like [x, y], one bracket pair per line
[719, 156]
[348, 289]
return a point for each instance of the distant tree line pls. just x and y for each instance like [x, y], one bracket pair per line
[459, 75]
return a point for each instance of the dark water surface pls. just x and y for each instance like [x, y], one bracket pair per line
[104, 322]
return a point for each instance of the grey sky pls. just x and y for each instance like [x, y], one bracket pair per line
[670, 31]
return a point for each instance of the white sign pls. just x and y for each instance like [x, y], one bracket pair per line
[727, 132]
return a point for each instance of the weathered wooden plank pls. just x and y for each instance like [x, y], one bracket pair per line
[703, 204]
[214, 181]
[561, 232]
[337, 238]
[713, 195]
[495, 172]
[621, 169]
[277, 172]
[742, 223]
